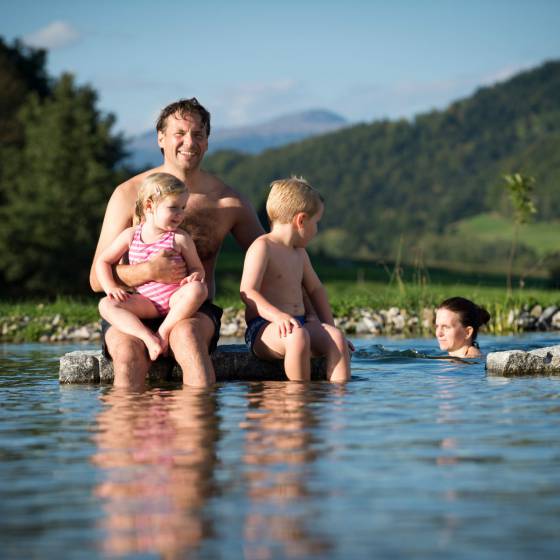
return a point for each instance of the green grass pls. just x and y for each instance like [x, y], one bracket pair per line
[351, 284]
[73, 311]
[28, 320]
[542, 237]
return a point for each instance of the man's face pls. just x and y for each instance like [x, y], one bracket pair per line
[184, 141]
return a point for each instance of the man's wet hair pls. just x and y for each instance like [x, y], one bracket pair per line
[184, 107]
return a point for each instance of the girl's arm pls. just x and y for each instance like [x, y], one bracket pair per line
[185, 246]
[110, 256]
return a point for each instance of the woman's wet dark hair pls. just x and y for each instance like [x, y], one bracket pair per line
[470, 314]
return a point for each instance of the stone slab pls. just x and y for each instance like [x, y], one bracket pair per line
[516, 363]
[232, 362]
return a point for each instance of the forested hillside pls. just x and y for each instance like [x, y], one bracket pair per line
[392, 188]
[415, 178]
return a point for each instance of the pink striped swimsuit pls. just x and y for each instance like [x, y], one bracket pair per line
[138, 252]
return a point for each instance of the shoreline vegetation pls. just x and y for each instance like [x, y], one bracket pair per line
[386, 311]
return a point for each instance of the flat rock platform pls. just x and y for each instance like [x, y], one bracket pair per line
[517, 363]
[232, 362]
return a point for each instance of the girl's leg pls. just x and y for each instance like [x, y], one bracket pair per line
[125, 316]
[294, 348]
[330, 342]
[184, 303]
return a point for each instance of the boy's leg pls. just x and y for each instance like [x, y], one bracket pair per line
[125, 316]
[184, 303]
[294, 348]
[330, 342]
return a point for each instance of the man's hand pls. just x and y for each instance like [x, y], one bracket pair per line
[166, 269]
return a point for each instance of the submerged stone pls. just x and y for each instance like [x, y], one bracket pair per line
[232, 362]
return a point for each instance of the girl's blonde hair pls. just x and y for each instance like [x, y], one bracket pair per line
[154, 188]
[288, 197]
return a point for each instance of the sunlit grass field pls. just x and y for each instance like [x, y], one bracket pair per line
[542, 237]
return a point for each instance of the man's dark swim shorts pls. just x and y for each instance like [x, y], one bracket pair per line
[207, 308]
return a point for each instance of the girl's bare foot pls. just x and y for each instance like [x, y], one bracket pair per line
[164, 341]
[154, 346]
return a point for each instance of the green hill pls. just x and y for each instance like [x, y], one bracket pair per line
[403, 183]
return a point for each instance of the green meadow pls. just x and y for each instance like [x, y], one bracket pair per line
[542, 237]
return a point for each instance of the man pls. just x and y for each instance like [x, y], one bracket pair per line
[213, 211]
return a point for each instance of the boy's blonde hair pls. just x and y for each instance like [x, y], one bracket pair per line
[154, 188]
[288, 197]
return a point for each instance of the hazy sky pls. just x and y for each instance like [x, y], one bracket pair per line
[248, 61]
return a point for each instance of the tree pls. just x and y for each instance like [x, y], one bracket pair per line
[520, 188]
[22, 72]
[56, 191]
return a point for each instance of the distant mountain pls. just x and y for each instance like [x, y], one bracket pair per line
[277, 132]
[247, 139]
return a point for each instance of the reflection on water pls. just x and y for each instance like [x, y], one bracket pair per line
[414, 458]
[157, 454]
[279, 455]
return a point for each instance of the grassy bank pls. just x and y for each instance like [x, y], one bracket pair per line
[26, 321]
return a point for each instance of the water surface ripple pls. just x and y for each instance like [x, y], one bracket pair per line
[414, 458]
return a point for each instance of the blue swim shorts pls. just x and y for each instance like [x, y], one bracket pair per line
[256, 326]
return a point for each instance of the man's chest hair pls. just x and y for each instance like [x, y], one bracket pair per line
[208, 228]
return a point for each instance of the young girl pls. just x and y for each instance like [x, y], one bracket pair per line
[457, 322]
[160, 208]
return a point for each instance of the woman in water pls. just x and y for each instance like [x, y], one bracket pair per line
[457, 322]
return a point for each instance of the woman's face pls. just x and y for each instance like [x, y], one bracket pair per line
[450, 333]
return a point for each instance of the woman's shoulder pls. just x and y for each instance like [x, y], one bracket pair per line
[473, 352]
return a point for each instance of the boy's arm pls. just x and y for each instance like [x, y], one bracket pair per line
[187, 249]
[316, 292]
[256, 261]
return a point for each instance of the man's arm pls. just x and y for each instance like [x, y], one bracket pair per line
[247, 226]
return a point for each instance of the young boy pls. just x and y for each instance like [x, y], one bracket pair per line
[276, 268]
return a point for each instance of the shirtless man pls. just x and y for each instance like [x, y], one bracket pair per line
[213, 211]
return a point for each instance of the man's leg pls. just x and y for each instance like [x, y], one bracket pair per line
[130, 359]
[189, 341]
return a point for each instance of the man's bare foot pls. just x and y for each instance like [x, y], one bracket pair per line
[154, 346]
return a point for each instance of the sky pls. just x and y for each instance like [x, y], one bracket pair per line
[249, 61]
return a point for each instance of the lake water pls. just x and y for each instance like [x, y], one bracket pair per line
[414, 458]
